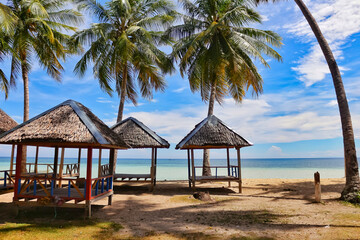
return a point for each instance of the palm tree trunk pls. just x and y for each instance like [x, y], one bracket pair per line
[206, 157]
[25, 76]
[123, 95]
[121, 107]
[352, 185]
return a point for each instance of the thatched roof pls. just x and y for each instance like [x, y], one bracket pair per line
[212, 133]
[137, 135]
[6, 122]
[69, 124]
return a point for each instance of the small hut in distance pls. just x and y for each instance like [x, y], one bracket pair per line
[212, 133]
[7, 123]
[138, 135]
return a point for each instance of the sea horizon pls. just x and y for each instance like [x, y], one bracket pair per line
[176, 169]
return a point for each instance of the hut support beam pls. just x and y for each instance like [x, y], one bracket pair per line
[61, 166]
[12, 159]
[152, 170]
[112, 171]
[36, 159]
[99, 167]
[189, 176]
[155, 166]
[239, 171]
[79, 159]
[56, 159]
[228, 163]
[18, 172]
[193, 168]
[88, 181]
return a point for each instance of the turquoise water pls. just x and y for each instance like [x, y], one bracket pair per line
[176, 169]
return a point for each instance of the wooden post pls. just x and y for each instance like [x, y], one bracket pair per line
[239, 171]
[112, 171]
[317, 187]
[12, 159]
[36, 159]
[99, 167]
[88, 181]
[228, 163]
[193, 168]
[189, 176]
[152, 171]
[56, 159]
[79, 159]
[155, 166]
[17, 172]
[61, 166]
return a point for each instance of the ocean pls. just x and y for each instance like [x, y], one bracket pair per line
[176, 169]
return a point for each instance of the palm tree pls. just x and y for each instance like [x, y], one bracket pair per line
[38, 34]
[7, 23]
[352, 185]
[216, 49]
[124, 46]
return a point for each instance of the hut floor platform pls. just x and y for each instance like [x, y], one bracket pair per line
[8, 186]
[125, 177]
[62, 193]
[216, 178]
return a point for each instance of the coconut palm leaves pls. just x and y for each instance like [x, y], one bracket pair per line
[124, 46]
[216, 49]
[38, 33]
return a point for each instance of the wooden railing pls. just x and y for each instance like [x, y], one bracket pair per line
[7, 179]
[101, 185]
[105, 170]
[234, 170]
[70, 169]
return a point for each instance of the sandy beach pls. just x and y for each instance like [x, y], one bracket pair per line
[267, 209]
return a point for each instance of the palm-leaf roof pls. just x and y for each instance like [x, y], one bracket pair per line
[69, 124]
[212, 133]
[138, 135]
[6, 122]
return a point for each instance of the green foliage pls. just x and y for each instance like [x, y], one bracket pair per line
[124, 45]
[216, 49]
[34, 30]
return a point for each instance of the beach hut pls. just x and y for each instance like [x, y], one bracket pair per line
[67, 125]
[137, 135]
[7, 123]
[212, 133]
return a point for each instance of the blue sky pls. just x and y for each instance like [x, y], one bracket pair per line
[296, 116]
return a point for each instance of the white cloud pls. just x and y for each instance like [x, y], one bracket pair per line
[338, 20]
[179, 90]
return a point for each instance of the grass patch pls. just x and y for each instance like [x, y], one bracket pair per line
[90, 229]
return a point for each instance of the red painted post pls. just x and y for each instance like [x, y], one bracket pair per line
[18, 171]
[88, 173]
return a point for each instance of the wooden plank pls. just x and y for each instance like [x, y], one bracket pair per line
[88, 173]
[239, 170]
[77, 189]
[97, 198]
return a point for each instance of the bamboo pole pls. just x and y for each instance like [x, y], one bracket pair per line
[155, 166]
[79, 159]
[56, 159]
[239, 169]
